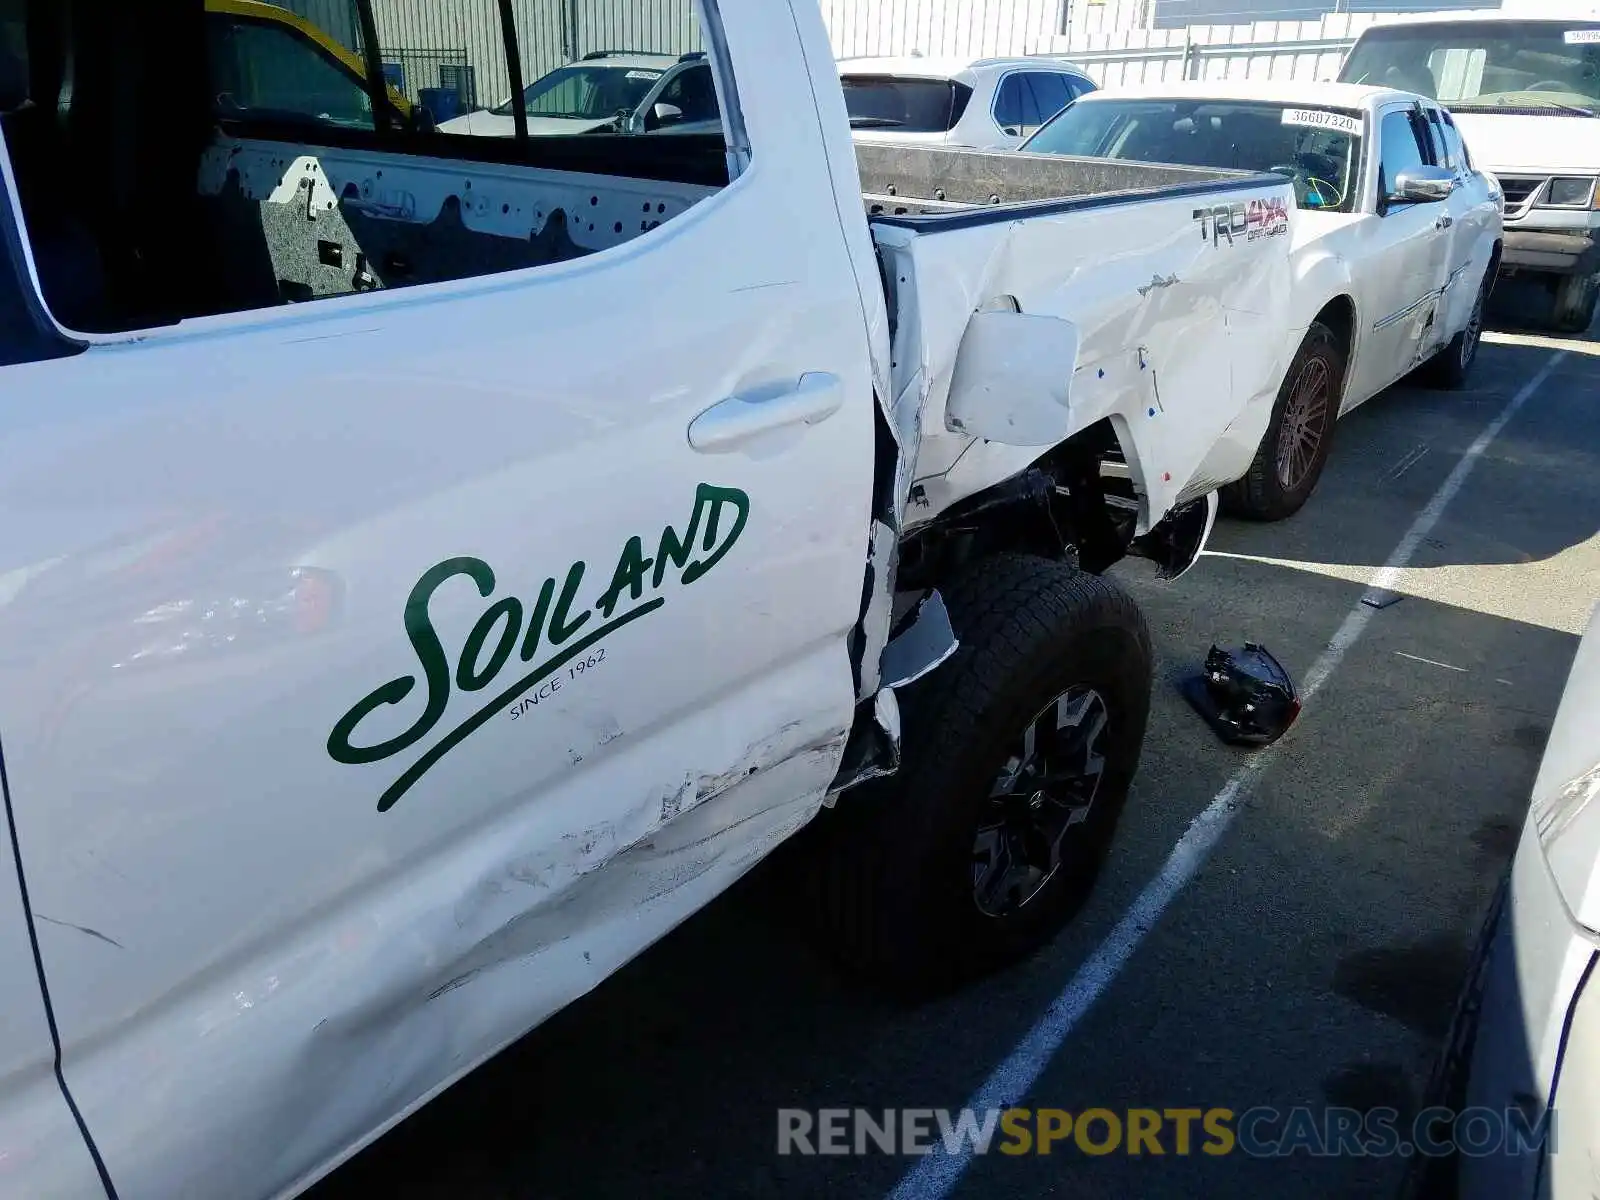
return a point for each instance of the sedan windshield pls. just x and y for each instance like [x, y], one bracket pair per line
[1508, 66]
[1318, 149]
[589, 92]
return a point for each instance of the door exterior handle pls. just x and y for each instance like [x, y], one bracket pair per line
[730, 423]
[1444, 222]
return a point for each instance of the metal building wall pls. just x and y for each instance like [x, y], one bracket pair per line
[549, 33]
[423, 35]
[943, 27]
[337, 17]
[1298, 50]
[1174, 14]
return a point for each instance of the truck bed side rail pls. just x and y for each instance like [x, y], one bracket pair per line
[911, 181]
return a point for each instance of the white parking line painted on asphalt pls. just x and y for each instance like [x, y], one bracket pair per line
[936, 1175]
[1432, 662]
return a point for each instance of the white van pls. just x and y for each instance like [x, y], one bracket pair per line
[1525, 92]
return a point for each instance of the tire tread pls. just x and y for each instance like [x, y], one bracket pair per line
[1006, 610]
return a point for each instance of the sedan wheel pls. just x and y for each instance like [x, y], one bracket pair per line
[1305, 424]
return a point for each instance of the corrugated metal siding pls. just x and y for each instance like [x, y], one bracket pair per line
[1298, 50]
[336, 17]
[466, 30]
[660, 27]
[422, 35]
[1174, 14]
[1304, 50]
[942, 27]
[1111, 39]
[549, 33]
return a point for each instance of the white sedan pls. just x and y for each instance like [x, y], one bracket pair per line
[1395, 245]
[981, 103]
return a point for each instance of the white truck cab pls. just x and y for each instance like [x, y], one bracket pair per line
[1524, 88]
[1393, 245]
[433, 566]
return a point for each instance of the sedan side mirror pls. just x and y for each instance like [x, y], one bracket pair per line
[665, 113]
[1423, 185]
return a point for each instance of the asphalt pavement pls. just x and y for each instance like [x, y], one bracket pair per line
[1309, 956]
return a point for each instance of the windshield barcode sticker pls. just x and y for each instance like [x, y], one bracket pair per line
[643, 75]
[1581, 37]
[1316, 118]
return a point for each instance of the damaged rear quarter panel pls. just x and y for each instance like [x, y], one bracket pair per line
[1157, 361]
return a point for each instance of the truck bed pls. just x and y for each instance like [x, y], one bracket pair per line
[919, 182]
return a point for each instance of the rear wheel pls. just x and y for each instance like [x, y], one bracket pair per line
[1452, 365]
[1295, 448]
[1019, 755]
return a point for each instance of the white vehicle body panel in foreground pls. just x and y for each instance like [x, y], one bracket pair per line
[1538, 1038]
[312, 824]
[41, 1151]
[283, 970]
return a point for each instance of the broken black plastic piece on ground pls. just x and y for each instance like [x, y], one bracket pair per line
[1245, 695]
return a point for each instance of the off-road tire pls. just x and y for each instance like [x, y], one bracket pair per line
[1263, 494]
[893, 881]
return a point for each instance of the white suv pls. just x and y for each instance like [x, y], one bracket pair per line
[627, 91]
[984, 104]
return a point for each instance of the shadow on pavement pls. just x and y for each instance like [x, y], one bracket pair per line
[1531, 498]
[1522, 303]
[1314, 961]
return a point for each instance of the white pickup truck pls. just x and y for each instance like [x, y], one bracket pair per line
[1394, 245]
[432, 566]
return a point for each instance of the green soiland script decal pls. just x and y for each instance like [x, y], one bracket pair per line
[553, 624]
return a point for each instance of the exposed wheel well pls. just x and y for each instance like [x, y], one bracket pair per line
[1339, 315]
[1064, 505]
